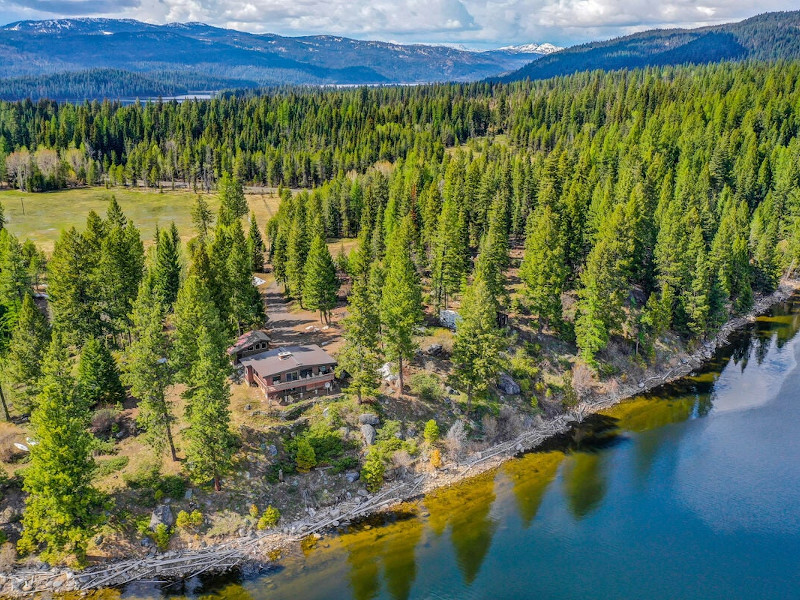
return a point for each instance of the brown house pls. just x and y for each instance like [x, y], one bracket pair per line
[291, 373]
[252, 342]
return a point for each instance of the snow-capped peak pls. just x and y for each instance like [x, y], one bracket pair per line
[545, 48]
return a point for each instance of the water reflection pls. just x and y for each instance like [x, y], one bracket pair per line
[530, 480]
[471, 526]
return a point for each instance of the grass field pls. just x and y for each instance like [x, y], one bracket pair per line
[47, 214]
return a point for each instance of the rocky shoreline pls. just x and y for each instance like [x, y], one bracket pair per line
[251, 553]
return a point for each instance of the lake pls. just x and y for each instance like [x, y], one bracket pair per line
[692, 491]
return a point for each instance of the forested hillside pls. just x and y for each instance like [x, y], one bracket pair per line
[601, 212]
[111, 83]
[769, 36]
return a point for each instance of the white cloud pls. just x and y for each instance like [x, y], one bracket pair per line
[474, 22]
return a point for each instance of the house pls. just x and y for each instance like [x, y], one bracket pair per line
[252, 342]
[291, 373]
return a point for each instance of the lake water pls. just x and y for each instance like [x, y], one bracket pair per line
[690, 492]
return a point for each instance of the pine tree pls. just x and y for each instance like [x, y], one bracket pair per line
[210, 443]
[2, 216]
[14, 276]
[360, 357]
[70, 287]
[193, 308]
[492, 259]
[98, 376]
[543, 268]
[27, 347]
[202, 218]
[119, 274]
[604, 286]
[245, 302]
[146, 370]
[255, 245]
[478, 340]
[449, 255]
[233, 205]
[166, 269]
[320, 283]
[296, 253]
[401, 303]
[62, 510]
[696, 301]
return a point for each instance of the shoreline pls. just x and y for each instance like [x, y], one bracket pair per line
[251, 553]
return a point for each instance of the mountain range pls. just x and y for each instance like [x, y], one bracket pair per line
[193, 51]
[768, 36]
[82, 58]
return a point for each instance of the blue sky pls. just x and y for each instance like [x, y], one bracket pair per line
[473, 23]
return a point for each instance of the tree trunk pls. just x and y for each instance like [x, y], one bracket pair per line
[469, 398]
[400, 373]
[5, 406]
[217, 486]
[171, 444]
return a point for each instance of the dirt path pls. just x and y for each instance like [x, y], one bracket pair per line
[290, 325]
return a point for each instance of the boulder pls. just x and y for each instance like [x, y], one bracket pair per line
[272, 449]
[449, 319]
[434, 350]
[161, 514]
[369, 419]
[386, 373]
[369, 433]
[508, 385]
[352, 476]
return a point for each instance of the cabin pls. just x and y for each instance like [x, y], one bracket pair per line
[248, 344]
[290, 374]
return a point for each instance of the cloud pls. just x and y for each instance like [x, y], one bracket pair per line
[71, 8]
[472, 22]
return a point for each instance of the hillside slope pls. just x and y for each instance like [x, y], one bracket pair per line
[764, 37]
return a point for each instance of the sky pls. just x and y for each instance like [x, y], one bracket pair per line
[472, 23]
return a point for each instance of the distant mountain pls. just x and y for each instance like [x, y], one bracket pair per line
[768, 36]
[95, 46]
[531, 49]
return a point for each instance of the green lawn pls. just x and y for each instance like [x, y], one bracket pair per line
[47, 214]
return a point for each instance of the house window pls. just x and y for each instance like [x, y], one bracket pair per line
[291, 376]
[305, 373]
[276, 379]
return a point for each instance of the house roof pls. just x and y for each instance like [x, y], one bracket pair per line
[290, 358]
[247, 339]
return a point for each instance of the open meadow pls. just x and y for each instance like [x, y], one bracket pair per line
[46, 214]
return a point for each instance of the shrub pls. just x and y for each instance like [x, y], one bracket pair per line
[436, 458]
[372, 472]
[103, 421]
[161, 536]
[270, 518]
[193, 520]
[431, 432]
[326, 442]
[306, 458]
[254, 511]
[389, 431]
[344, 464]
[111, 465]
[427, 386]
